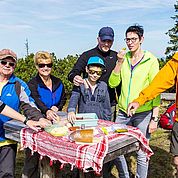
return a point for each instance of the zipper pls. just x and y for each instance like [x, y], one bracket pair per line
[127, 101]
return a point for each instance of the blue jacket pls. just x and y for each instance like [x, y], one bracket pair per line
[10, 97]
[98, 103]
[44, 97]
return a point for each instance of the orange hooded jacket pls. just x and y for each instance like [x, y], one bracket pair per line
[166, 78]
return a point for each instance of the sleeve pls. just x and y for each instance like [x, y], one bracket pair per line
[107, 107]
[27, 104]
[164, 80]
[33, 85]
[79, 67]
[74, 99]
[2, 106]
[114, 79]
[62, 102]
[153, 72]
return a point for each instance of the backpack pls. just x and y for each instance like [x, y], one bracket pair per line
[17, 88]
[167, 119]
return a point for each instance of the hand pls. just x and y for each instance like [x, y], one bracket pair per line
[78, 80]
[152, 126]
[132, 107]
[71, 117]
[33, 125]
[44, 122]
[51, 115]
[54, 108]
[120, 55]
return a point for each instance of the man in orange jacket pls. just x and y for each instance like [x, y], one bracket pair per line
[166, 78]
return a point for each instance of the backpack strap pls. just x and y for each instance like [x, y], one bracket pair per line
[17, 88]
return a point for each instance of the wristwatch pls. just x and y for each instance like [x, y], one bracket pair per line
[25, 121]
[155, 118]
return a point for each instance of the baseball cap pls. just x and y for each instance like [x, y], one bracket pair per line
[106, 33]
[4, 53]
[96, 60]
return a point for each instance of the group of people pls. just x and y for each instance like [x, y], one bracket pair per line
[100, 76]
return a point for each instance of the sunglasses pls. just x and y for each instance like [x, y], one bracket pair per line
[99, 73]
[11, 64]
[43, 65]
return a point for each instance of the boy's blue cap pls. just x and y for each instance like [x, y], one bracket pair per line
[96, 60]
[106, 33]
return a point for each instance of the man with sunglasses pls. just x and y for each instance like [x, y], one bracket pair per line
[10, 97]
[103, 50]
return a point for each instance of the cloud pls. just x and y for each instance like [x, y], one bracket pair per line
[16, 27]
[56, 10]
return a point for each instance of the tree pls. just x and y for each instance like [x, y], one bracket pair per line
[173, 34]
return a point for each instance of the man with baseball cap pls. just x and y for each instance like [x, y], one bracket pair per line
[15, 93]
[103, 50]
[5, 53]
[106, 33]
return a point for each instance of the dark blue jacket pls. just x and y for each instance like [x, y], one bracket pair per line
[44, 97]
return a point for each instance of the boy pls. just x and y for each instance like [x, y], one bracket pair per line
[92, 96]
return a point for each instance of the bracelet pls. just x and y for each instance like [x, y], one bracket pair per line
[25, 121]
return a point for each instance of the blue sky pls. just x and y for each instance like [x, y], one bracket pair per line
[69, 27]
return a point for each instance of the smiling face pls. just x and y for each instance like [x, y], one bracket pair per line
[43, 62]
[94, 73]
[7, 67]
[133, 41]
[44, 67]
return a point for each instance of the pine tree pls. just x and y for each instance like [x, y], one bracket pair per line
[173, 34]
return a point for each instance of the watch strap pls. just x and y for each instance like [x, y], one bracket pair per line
[25, 121]
[155, 119]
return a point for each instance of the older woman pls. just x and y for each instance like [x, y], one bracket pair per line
[14, 99]
[47, 90]
[49, 95]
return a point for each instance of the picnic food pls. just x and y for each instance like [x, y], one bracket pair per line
[74, 128]
[57, 130]
[84, 135]
[121, 130]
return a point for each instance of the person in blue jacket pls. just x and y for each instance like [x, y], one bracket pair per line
[16, 100]
[50, 97]
[47, 90]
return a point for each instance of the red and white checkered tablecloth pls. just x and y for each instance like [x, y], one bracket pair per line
[83, 156]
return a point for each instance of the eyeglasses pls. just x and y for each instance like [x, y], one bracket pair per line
[43, 65]
[11, 64]
[99, 73]
[133, 40]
